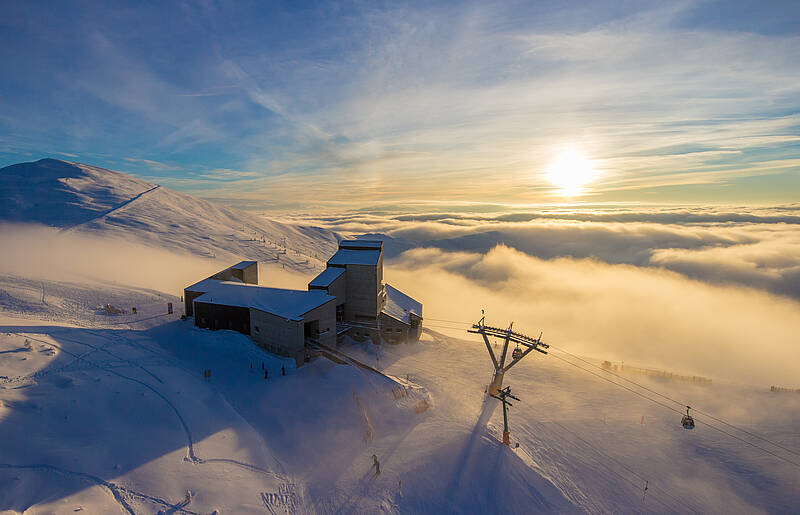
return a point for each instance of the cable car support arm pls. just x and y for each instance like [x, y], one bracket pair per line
[508, 336]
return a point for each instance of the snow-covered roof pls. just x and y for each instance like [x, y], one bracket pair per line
[399, 305]
[208, 283]
[288, 304]
[361, 244]
[242, 265]
[326, 278]
[355, 257]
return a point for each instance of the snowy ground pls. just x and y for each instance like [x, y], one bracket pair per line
[112, 414]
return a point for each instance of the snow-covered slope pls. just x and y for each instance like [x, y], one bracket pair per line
[62, 194]
[78, 197]
[112, 414]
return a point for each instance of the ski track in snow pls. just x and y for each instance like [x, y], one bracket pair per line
[113, 209]
[119, 491]
[190, 442]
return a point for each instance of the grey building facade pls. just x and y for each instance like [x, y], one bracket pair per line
[348, 297]
[279, 320]
[366, 307]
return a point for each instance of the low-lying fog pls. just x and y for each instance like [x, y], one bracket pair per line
[712, 292]
[706, 291]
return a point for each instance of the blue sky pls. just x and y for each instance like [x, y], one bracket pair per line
[343, 104]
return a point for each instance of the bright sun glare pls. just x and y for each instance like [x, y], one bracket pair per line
[570, 171]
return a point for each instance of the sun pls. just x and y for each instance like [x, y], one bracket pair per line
[570, 171]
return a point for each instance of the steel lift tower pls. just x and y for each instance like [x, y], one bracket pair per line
[508, 336]
[501, 396]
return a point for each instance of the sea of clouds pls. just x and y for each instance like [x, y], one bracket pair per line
[711, 291]
[707, 291]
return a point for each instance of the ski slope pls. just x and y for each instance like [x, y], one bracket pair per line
[112, 414]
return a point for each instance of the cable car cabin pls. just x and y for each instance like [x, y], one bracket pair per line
[517, 353]
[687, 421]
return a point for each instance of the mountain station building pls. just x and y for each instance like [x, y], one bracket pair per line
[347, 298]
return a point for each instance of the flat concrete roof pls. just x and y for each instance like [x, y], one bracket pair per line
[288, 304]
[326, 278]
[355, 257]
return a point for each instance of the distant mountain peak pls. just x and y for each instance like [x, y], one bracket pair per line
[61, 193]
[80, 197]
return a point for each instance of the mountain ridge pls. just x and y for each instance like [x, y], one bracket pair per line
[79, 197]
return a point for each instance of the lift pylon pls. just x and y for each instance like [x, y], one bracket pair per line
[501, 396]
[508, 336]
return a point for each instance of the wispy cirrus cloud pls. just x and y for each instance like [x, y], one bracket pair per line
[399, 102]
[221, 174]
[150, 163]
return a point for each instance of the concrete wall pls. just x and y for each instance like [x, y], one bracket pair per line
[415, 331]
[363, 289]
[247, 275]
[393, 330]
[326, 315]
[277, 335]
[216, 316]
[188, 301]
[285, 337]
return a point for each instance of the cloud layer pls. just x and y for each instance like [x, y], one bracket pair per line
[709, 291]
[754, 247]
[616, 312]
[40, 252]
